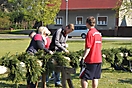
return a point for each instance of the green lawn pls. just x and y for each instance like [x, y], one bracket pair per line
[110, 77]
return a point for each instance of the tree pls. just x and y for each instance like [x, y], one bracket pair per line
[125, 7]
[39, 10]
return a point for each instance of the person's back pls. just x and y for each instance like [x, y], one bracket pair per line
[92, 58]
[38, 41]
[94, 55]
[58, 40]
[33, 45]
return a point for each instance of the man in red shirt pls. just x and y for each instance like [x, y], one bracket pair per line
[92, 57]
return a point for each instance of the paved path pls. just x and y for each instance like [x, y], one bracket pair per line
[12, 36]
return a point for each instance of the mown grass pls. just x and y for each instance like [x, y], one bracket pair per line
[110, 77]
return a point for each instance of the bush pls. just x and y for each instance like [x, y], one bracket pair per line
[4, 22]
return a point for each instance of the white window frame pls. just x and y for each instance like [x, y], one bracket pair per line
[77, 21]
[60, 21]
[101, 22]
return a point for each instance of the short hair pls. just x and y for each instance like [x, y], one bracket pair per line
[70, 26]
[43, 29]
[91, 21]
[31, 33]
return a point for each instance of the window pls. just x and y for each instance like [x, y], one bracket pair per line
[79, 20]
[102, 20]
[58, 20]
[80, 27]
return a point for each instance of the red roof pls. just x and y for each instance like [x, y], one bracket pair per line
[89, 4]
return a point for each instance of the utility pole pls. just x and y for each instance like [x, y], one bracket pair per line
[66, 12]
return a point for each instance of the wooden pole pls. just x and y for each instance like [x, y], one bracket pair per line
[63, 76]
[70, 83]
[43, 80]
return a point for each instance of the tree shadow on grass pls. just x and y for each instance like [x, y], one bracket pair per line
[10, 85]
[125, 81]
[5, 85]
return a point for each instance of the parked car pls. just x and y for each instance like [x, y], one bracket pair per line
[79, 30]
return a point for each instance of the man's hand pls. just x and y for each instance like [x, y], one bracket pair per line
[51, 52]
[81, 62]
[66, 51]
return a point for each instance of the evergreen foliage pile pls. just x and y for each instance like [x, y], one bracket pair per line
[31, 66]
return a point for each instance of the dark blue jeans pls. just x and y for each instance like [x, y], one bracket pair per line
[57, 78]
[57, 74]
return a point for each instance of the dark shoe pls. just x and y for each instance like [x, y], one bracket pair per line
[58, 85]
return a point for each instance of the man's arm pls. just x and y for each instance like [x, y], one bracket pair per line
[57, 40]
[41, 46]
[86, 52]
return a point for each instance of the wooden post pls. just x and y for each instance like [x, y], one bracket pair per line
[70, 83]
[43, 80]
[69, 71]
[65, 74]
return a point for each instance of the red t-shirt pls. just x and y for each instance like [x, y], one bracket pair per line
[48, 42]
[37, 37]
[94, 42]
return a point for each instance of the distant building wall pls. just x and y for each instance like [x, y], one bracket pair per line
[124, 31]
[72, 14]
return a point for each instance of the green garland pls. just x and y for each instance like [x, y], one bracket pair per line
[74, 58]
[16, 74]
[117, 56]
[33, 70]
[46, 60]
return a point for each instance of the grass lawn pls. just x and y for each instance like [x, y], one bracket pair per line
[110, 77]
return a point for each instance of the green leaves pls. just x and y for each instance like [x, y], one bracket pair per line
[40, 10]
[16, 73]
[31, 68]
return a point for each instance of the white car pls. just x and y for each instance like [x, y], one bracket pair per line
[79, 30]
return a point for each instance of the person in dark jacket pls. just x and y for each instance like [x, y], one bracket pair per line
[58, 44]
[38, 42]
[31, 34]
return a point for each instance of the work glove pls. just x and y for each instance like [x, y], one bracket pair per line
[82, 64]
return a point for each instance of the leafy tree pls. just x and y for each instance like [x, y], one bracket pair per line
[124, 6]
[39, 10]
[4, 20]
